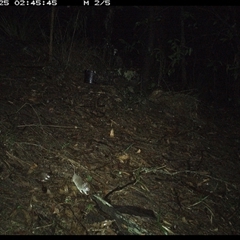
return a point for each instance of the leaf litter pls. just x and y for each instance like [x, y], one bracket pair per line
[162, 164]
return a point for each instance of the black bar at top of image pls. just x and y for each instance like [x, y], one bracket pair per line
[95, 3]
[86, 3]
[102, 3]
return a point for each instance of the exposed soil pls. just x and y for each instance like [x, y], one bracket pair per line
[165, 163]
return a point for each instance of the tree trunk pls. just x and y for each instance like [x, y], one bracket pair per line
[51, 34]
[183, 57]
[149, 48]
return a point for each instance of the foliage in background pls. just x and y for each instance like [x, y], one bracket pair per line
[103, 38]
[20, 24]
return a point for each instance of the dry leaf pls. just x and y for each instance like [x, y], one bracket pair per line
[64, 190]
[34, 199]
[123, 158]
[51, 110]
[31, 169]
[69, 213]
[169, 224]
[139, 151]
[56, 211]
[184, 220]
[112, 133]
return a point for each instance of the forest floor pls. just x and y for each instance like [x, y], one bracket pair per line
[157, 164]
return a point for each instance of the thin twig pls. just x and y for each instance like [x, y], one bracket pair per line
[16, 159]
[53, 126]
